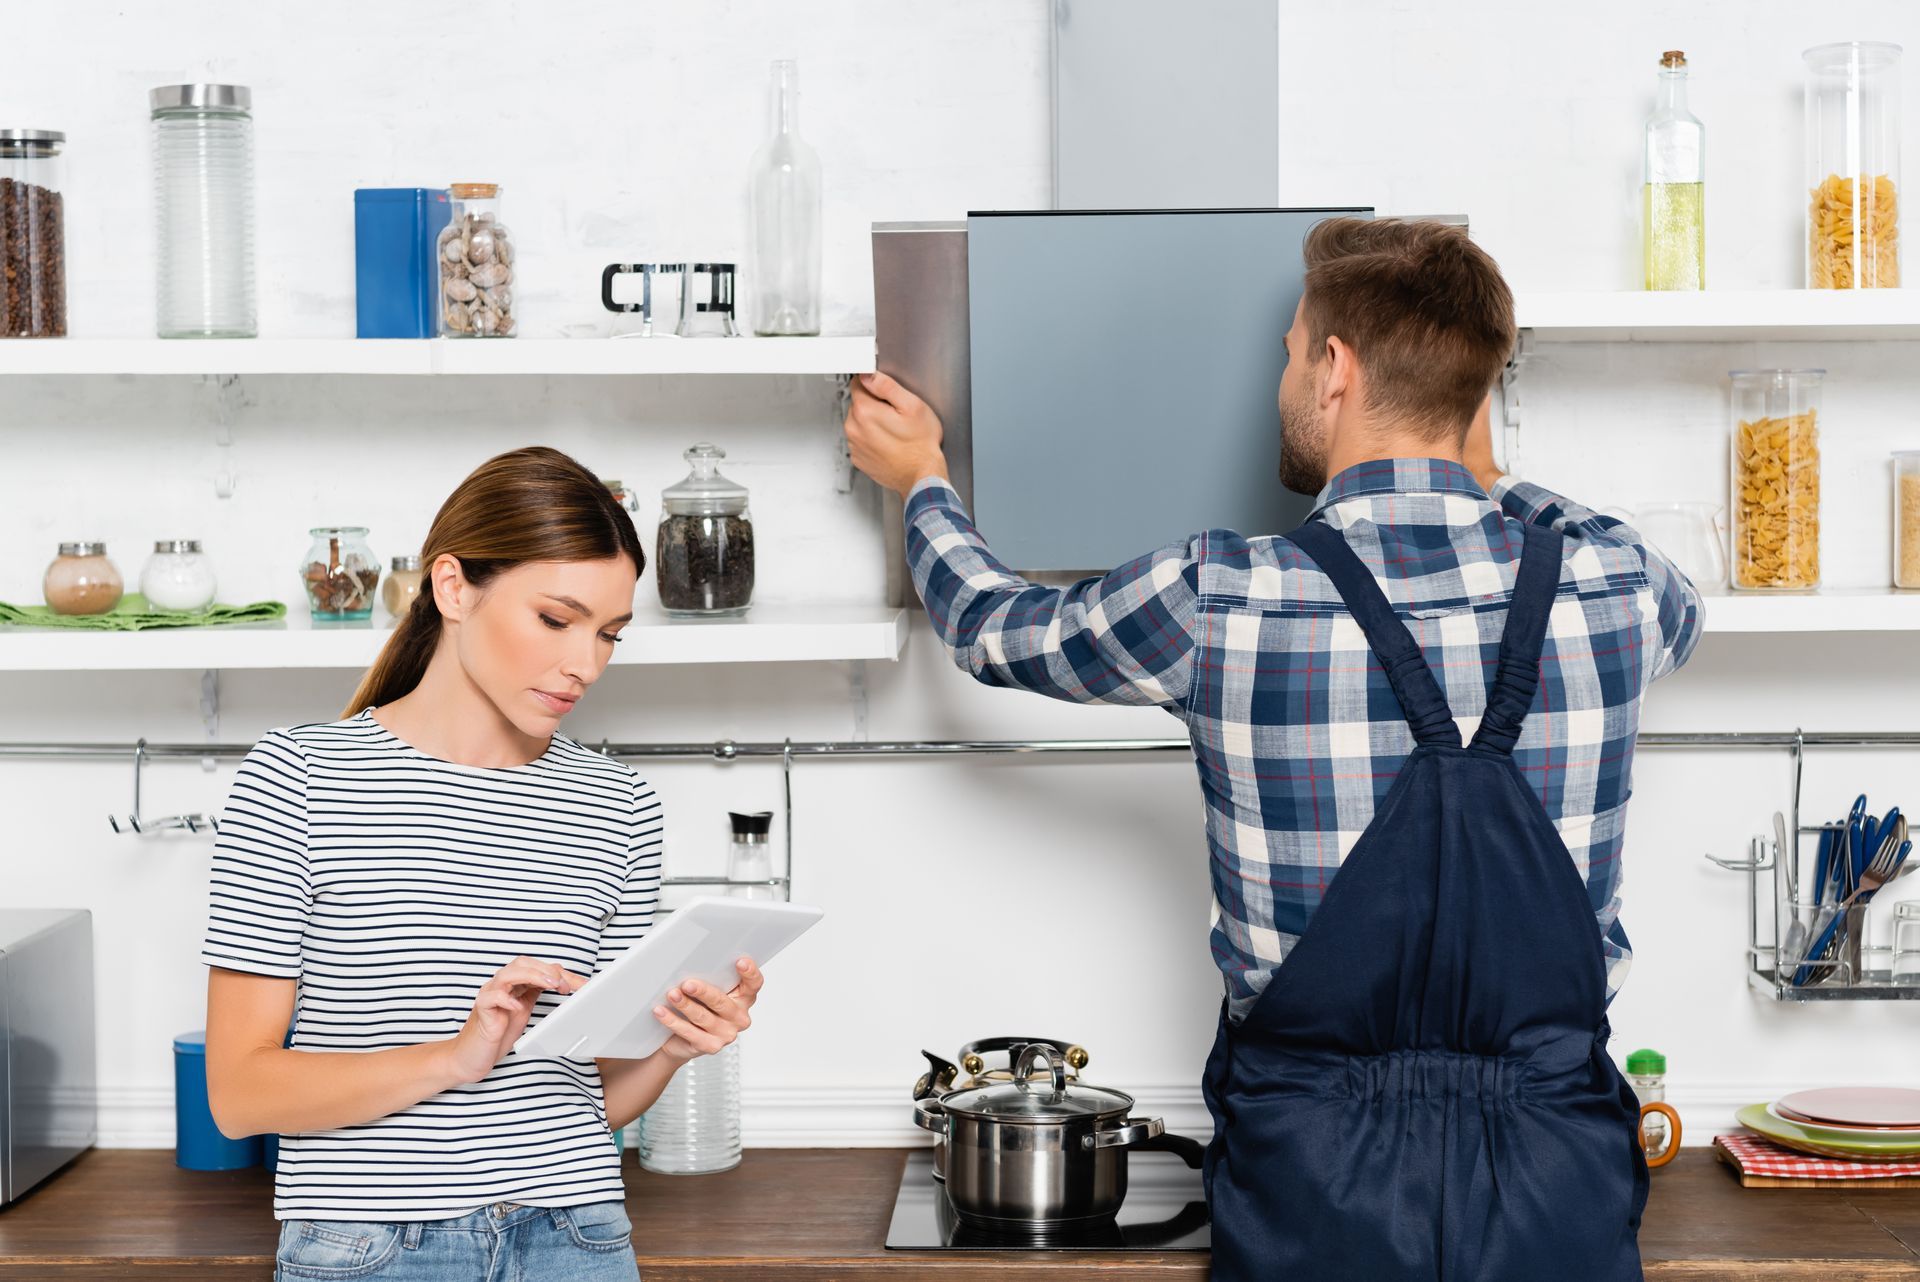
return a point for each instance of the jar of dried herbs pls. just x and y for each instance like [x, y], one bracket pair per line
[341, 574]
[703, 557]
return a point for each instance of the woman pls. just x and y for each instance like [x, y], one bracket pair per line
[411, 885]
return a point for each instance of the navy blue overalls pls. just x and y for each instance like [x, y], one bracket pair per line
[1423, 1089]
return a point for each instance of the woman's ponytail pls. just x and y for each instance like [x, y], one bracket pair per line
[403, 659]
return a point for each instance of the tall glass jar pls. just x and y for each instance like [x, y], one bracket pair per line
[1906, 519]
[786, 219]
[203, 199]
[694, 1127]
[1673, 199]
[1775, 489]
[703, 553]
[476, 256]
[33, 241]
[340, 573]
[1853, 166]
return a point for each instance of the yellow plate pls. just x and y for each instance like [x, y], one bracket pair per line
[1813, 1139]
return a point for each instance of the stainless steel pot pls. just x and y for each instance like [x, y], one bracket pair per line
[1029, 1152]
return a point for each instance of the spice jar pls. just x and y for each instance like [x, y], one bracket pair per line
[82, 580]
[1776, 478]
[1906, 519]
[403, 584]
[341, 574]
[1853, 165]
[476, 266]
[703, 555]
[33, 245]
[178, 577]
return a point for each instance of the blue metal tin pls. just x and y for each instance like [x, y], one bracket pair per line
[198, 1144]
[396, 278]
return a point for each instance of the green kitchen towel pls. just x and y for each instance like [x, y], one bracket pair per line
[133, 614]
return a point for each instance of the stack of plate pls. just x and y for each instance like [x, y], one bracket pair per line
[1859, 1123]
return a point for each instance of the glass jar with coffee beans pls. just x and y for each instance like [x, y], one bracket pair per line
[341, 574]
[33, 245]
[476, 266]
[703, 556]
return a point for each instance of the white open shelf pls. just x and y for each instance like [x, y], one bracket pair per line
[1709, 316]
[769, 634]
[1832, 610]
[832, 354]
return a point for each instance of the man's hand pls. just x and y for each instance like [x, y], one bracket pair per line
[894, 435]
[1477, 452]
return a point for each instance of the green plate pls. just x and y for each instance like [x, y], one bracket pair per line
[1828, 1143]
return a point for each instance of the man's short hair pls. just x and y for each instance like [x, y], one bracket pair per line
[1425, 310]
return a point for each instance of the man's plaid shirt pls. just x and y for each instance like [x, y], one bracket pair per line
[1295, 732]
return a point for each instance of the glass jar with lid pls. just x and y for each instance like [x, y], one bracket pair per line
[405, 578]
[341, 574]
[1906, 519]
[33, 242]
[476, 266]
[203, 200]
[703, 554]
[1853, 165]
[1775, 487]
[178, 577]
[81, 580]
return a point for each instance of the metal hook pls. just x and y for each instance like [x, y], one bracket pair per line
[135, 824]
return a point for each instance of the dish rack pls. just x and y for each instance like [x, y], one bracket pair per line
[1781, 909]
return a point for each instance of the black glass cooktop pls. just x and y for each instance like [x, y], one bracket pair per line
[1165, 1210]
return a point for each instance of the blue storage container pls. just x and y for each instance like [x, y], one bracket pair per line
[396, 278]
[198, 1144]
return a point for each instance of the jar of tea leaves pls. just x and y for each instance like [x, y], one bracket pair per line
[703, 557]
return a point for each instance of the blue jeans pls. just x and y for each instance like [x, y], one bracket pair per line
[496, 1243]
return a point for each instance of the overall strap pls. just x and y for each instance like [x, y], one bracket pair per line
[1421, 700]
[1527, 612]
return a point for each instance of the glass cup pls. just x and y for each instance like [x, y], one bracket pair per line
[1906, 942]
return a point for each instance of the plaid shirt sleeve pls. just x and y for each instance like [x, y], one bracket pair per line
[1677, 601]
[1124, 638]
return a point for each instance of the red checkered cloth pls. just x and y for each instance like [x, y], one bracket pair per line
[1758, 1156]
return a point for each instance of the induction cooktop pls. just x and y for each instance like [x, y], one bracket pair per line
[1165, 1210]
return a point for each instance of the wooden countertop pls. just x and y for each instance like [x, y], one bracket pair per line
[806, 1215]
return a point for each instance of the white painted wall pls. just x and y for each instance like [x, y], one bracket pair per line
[968, 898]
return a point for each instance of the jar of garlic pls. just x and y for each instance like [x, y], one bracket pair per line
[476, 266]
[1776, 479]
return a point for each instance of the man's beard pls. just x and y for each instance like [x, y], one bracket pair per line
[1303, 443]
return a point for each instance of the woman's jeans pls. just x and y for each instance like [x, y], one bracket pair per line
[504, 1242]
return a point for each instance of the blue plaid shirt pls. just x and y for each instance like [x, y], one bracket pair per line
[1296, 734]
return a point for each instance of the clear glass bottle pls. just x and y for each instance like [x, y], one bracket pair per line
[1906, 519]
[33, 242]
[703, 552]
[1853, 165]
[476, 256]
[341, 574]
[786, 219]
[1775, 486]
[1673, 199]
[203, 199]
[750, 857]
[178, 577]
[404, 579]
[694, 1127]
[81, 580]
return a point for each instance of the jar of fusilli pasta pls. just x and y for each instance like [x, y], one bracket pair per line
[1776, 479]
[1853, 166]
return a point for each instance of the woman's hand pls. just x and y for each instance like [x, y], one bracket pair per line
[705, 1020]
[500, 1013]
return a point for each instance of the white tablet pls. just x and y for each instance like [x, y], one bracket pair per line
[612, 1016]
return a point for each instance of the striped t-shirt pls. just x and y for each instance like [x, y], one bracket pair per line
[391, 885]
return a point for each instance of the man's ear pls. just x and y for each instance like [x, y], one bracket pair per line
[1339, 372]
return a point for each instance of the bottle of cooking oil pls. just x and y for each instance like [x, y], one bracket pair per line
[1673, 206]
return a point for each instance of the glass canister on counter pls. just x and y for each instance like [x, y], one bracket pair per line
[476, 266]
[405, 578]
[81, 580]
[1906, 519]
[703, 554]
[178, 577]
[33, 240]
[1673, 199]
[1775, 491]
[341, 574]
[1853, 165]
[203, 202]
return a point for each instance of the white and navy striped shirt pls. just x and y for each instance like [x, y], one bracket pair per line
[391, 885]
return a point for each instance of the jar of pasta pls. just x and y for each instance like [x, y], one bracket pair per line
[1776, 479]
[1906, 519]
[1853, 165]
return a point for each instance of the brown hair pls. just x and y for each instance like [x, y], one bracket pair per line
[533, 504]
[1425, 310]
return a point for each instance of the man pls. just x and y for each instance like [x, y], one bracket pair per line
[1410, 1077]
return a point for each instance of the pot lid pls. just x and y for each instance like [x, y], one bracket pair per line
[1039, 1092]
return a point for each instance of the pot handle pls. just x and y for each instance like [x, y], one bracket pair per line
[1133, 1131]
[928, 1115]
[1023, 1070]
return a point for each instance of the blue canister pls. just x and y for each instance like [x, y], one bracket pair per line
[396, 277]
[198, 1144]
